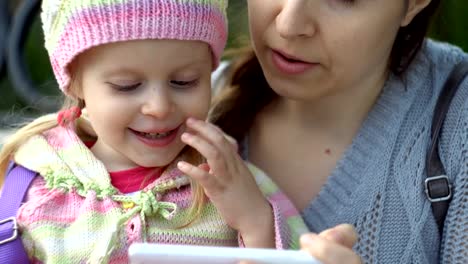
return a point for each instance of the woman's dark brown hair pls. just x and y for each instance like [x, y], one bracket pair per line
[247, 91]
[409, 39]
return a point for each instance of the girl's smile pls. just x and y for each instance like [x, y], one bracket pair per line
[158, 139]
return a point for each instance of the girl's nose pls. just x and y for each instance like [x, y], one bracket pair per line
[295, 19]
[157, 104]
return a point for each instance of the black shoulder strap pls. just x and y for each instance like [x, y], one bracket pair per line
[437, 185]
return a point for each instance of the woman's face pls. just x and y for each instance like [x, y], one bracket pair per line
[309, 49]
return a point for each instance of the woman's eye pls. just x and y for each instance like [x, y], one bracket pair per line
[183, 84]
[125, 88]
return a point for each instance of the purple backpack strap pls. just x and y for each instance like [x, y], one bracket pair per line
[16, 185]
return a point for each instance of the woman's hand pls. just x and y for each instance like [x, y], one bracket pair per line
[229, 184]
[333, 245]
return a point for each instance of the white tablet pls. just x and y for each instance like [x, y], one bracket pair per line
[172, 254]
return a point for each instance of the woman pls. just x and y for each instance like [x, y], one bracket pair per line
[342, 94]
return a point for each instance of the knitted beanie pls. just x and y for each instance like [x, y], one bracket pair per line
[72, 26]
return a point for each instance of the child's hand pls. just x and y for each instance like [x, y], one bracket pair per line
[229, 184]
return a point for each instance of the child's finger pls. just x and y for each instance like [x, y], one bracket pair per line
[205, 167]
[230, 139]
[211, 133]
[233, 142]
[200, 175]
[213, 155]
[200, 144]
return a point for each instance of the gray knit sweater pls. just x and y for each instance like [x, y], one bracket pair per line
[378, 183]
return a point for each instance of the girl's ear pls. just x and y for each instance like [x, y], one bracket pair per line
[413, 8]
[75, 94]
[74, 88]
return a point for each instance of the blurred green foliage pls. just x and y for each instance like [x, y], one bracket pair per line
[450, 24]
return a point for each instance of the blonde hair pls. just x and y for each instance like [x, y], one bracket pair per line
[36, 127]
[85, 131]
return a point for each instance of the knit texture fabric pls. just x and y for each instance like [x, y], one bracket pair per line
[378, 183]
[72, 26]
[73, 214]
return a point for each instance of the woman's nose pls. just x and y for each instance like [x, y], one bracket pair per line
[157, 103]
[295, 19]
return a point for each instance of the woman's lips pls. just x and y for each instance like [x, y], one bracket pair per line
[157, 140]
[289, 65]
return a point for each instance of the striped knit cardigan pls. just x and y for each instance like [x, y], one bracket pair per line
[73, 214]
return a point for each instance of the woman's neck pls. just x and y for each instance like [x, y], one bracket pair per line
[337, 115]
[305, 140]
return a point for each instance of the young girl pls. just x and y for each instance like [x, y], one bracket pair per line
[141, 70]
[335, 102]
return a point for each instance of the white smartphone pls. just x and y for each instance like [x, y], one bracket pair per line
[147, 253]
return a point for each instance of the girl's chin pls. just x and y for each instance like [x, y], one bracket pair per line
[157, 161]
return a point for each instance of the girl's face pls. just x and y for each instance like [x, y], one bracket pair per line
[309, 49]
[138, 95]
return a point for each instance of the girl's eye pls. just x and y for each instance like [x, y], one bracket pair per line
[125, 88]
[183, 84]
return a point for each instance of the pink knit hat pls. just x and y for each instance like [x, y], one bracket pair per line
[72, 26]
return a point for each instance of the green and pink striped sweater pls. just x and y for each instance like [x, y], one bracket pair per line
[73, 214]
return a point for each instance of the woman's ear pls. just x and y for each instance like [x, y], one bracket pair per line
[413, 8]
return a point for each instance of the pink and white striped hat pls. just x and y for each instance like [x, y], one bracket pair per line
[73, 26]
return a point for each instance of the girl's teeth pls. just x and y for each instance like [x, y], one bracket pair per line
[155, 135]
